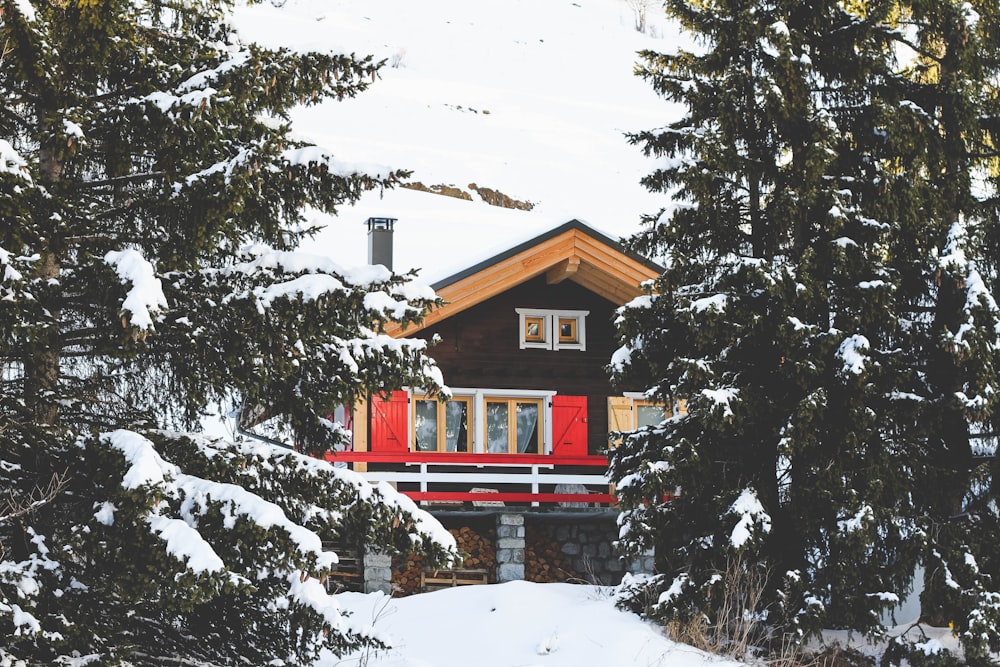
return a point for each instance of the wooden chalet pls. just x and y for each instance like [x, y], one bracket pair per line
[526, 337]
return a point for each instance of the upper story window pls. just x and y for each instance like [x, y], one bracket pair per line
[552, 329]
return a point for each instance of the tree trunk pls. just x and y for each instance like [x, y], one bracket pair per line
[42, 354]
[955, 455]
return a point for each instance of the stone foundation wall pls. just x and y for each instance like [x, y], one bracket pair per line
[586, 543]
[513, 545]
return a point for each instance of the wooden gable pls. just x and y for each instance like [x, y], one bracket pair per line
[571, 251]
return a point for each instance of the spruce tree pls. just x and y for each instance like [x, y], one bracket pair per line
[823, 315]
[151, 198]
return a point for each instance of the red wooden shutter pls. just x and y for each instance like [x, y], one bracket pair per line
[569, 425]
[390, 418]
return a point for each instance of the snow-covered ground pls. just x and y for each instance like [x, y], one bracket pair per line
[529, 97]
[523, 624]
[517, 624]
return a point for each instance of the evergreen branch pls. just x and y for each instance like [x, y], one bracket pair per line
[131, 91]
[918, 49]
[119, 180]
[180, 660]
[13, 507]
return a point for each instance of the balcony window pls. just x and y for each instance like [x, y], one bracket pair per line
[441, 427]
[513, 425]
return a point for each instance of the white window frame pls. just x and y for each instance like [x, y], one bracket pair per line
[441, 421]
[510, 402]
[550, 335]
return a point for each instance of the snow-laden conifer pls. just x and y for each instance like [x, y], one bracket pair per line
[151, 198]
[825, 314]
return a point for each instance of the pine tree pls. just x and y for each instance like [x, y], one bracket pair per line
[151, 198]
[822, 315]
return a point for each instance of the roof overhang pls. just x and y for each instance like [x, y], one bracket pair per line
[573, 251]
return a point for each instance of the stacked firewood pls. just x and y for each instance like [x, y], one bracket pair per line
[406, 576]
[480, 550]
[544, 561]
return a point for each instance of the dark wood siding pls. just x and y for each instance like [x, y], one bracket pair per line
[480, 348]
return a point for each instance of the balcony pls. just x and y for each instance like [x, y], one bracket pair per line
[485, 480]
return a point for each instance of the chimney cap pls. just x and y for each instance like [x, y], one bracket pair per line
[380, 223]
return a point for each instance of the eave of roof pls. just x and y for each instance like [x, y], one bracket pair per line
[537, 240]
[572, 250]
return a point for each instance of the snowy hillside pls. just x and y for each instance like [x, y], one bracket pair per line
[531, 99]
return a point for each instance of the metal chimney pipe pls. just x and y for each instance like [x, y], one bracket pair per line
[380, 241]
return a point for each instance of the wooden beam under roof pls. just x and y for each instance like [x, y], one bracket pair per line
[563, 270]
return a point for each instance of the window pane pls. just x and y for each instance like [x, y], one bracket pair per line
[497, 431]
[456, 426]
[527, 428]
[425, 426]
[534, 329]
[648, 415]
[567, 330]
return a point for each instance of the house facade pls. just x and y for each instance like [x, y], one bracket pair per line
[524, 340]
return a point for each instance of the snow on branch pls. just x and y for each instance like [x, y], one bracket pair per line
[853, 352]
[145, 298]
[26, 8]
[312, 594]
[195, 496]
[10, 274]
[167, 102]
[978, 297]
[310, 287]
[201, 80]
[198, 493]
[751, 517]
[354, 351]
[722, 398]
[24, 622]
[953, 255]
[716, 303]
[864, 516]
[12, 163]
[676, 589]
[308, 466]
[225, 167]
[263, 257]
[621, 358]
[186, 544]
[316, 156]
[387, 306]
[319, 276]
[24, 576]
[147, 467]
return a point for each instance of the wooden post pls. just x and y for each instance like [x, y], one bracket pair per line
[360, 432]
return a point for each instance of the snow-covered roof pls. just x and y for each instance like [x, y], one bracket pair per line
[438, 236]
